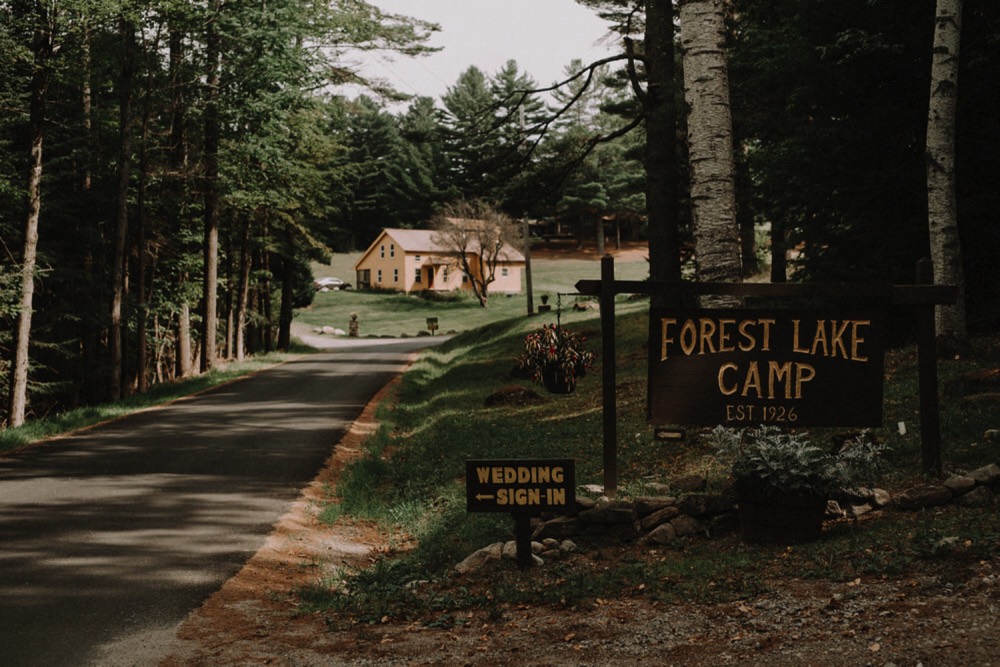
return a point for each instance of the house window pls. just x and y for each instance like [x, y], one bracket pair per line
[417, 273]
[416, 257]
[504, 272]
[445, 274]
[465, 277]
[381, 252]
[392, 250]
[378, 279]
[395, 275]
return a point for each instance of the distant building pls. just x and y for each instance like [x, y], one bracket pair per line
[414, 260]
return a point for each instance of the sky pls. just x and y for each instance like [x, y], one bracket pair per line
[543, 36]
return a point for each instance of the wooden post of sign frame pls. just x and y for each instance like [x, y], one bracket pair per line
[609, 376]
[930, 420]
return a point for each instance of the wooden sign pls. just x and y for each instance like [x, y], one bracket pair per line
[778, 367]
[520, 486]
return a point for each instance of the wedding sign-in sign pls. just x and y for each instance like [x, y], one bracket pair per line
[747, 367]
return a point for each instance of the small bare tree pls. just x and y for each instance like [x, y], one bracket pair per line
[481, 236]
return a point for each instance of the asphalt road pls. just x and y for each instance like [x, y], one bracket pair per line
[111, 536]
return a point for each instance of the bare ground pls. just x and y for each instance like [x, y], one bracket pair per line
[253, 618]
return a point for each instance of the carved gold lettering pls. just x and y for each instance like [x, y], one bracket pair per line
[707, 331]
[689, 337]
[722, 380]
[803, 373]
[665, 323]
[819, 338]
[747, 340]
[795, 338]
[857, 340]
[725, 336]
[753, 380]
[778, 373]
[837, 337]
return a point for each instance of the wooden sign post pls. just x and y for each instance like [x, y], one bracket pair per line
[522, 487]
[810, 354]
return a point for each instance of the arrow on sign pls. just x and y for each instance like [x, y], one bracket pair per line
[481, 496]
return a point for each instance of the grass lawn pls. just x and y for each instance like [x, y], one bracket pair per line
[410, 481]
[390, 314]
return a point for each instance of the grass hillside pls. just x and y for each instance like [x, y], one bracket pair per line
[410, 481]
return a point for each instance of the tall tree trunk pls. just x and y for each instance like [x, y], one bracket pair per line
[243, 297]
[710, 143]
[661, 144]
[211, 239]
[942, 212]
[43, 47]
[121, 214]
[287, 292]
[184, 357]
[178, 164]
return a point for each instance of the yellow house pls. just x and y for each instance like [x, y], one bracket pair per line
[413, 260]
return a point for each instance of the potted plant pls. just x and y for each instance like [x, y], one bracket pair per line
[556, 358]
[783, 481]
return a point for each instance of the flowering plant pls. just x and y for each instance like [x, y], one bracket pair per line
[555, 354]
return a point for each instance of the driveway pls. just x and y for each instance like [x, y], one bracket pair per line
[111, 536]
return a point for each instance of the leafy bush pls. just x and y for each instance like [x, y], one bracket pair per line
[767, 461]
[555, 349]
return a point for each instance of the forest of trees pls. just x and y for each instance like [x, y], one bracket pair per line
[168, 169]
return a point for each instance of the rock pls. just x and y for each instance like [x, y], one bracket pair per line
[659, 517]
[705, 504]
[834, 511]
[649, 504]
[992, 435]
[662, 534]
[558, 528]
[686, 525]
[658, 489]
[926, 495]
[988, 474]
[339, 332]
[568, 546]
[858, 510]
[959, 485]
[328, 330]
[880, 497]
[613, 512]
[981, 496]
[478, 559]
[509, 550]
[596, 489]
[585, 503]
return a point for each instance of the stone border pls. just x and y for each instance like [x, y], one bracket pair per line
[661, 519]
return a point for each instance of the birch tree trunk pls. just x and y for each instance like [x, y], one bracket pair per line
[43, 46]
[942, 214]
[710, 143]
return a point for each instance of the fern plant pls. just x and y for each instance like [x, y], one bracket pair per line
[766, 461]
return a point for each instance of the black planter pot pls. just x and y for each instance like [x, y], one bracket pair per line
[555, 382]
[781, 518]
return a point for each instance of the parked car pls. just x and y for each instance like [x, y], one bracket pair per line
[330, 283]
